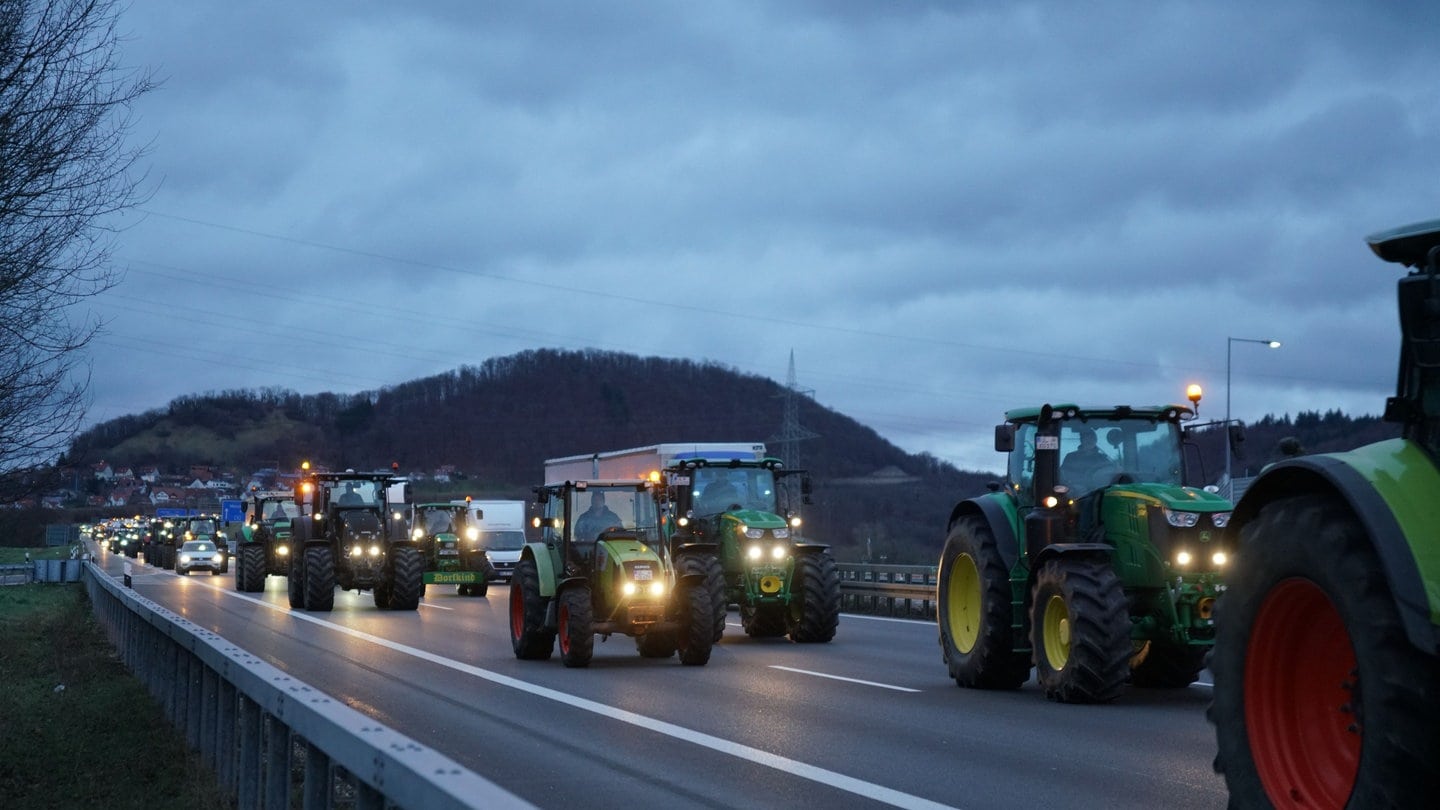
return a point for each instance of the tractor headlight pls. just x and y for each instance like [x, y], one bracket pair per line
[356, 551]
[1182, 520]
[472, 533]
[283, 551]
[657, 589]
[778, 552]
[1183, 558]
[417, 534]
[795, 522]
[754, 552]
[374, 551]
[754, 534]
[1220, 519]
[628, 589]
[1219, 558]
[781, 534]
[682, 521]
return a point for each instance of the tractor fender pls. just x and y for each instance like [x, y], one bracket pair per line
[1098, 550]
[544, 565]
[998, 512]
[810, 548]
[697, 546]
[1388, 486]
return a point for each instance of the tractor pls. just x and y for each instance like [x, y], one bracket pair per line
[263, 543]
[450, 545]
[351, 533]
[1096, 563]
[1327, 652]
[602, 568]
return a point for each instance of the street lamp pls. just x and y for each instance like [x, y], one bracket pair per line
[1229, 346]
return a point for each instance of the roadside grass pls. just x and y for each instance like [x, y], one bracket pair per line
[76, 728]
[12, 556]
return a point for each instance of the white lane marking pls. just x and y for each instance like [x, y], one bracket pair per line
[804, 770]
[849, 616]
[437, 607]
[847, 680]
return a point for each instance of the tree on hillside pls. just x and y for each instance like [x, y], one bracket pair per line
[65, 103]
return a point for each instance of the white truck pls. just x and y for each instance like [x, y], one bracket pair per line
[502, 532]
[721, 500]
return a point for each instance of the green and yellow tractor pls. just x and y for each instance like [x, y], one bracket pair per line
[600, 568]
[1327, 657]
[262, 543]
[450, 543]
[1093, 560]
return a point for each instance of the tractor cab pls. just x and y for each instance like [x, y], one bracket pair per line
[594, 525]
[1416, 404]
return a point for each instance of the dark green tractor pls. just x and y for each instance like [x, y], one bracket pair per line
[602, 568]
[1094, 560]
[263, 544]
[350, 533]
[1327, 658]
[450, 543]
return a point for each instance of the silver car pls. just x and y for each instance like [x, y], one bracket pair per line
[200, 554]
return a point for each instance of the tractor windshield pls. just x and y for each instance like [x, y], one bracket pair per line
[1100, 452]
[597, 509]
[353, 493]
[438, 521]
[726, 489]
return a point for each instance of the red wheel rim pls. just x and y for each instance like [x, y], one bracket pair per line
[564, 619]
[1299, 689]
[517, 612]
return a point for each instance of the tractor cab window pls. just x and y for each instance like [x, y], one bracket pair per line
[722, 489]
[279, 510]
[439, 521]
[1100, 452]
[1022, 461]
[595, 509]
[202, 526]
[353, 493]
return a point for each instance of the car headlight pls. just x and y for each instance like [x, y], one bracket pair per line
[218, 558]
[1183, 520]
[185, 558]
[754, 552]
[1220, 519]
[778, 552]
[417, 534]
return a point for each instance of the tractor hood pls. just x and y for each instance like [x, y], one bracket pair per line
[756, 519]
[1170, 496]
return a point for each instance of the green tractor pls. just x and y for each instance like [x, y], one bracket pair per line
[1101, 569]
[450, 544]
[350, 533]
[263, 544]
[1327, 656]
[602, 568]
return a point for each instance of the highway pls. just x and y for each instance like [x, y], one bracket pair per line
[869, 720]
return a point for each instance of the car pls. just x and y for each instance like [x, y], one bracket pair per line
[200, 554]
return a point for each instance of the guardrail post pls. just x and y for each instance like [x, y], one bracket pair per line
[317, 788]
[278, 746]
[209, 703]
[247, 776]
[225, 735]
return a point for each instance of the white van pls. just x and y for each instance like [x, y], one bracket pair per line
[502, 533]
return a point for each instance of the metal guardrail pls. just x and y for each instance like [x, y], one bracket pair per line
[892, 590]
[255, 725]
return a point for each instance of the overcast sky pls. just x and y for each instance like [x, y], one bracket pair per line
[944, 209]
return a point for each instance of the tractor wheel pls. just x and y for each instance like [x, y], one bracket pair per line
[382, 593]
[655, 644]
[1080, 631]
[1168, 666]
[528, 635]
[480, 589]
[407, 578]
[709, 565]
[577, 627]
[295, 581]
[763, 621]
[462, 590]
[1320, 699]
[816, 614]
[319, 579]
[975, 611]
[697, 622]
[250, 569]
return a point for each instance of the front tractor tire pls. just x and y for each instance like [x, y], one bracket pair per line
[1320, 699]
[696, 637]
[709, 566]
[250, 569]
[319, 584]
[1080, 631]
[576, 621]
[814, 617]
[529, 637]
[407, 578]
[975, 611]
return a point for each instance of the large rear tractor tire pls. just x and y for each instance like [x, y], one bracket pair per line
[975, 611]
[814, 617]
[250, 569]
[1168, 666]
[1320, 699]
[763, 621]
[319, 579]
[1080, 631]
[577, 627]
[407, 582]
[528, 635]
[714, 573]
[697, 622]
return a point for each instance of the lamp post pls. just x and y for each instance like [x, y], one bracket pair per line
[1229, 347]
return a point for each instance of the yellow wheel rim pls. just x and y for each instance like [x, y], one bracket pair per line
[963, 608]
[1057, 633]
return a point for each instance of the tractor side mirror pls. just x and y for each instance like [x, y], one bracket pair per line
[1004, 438]
[542, 496]
[1237, 437]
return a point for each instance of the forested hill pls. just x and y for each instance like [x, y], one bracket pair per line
[498, 422]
